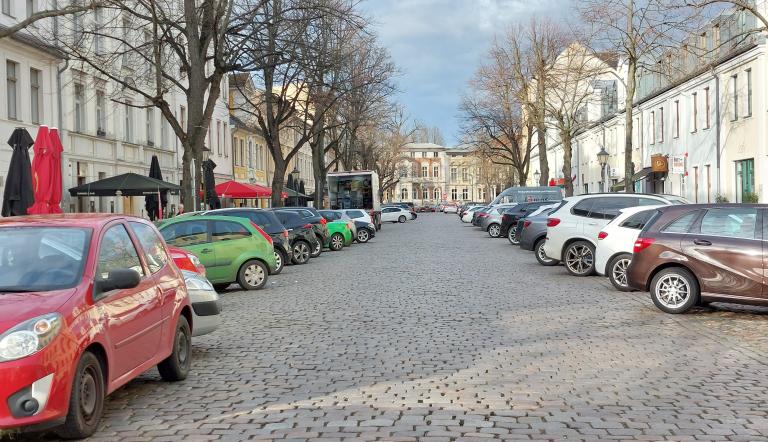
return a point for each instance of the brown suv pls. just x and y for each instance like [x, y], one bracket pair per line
[698, 253]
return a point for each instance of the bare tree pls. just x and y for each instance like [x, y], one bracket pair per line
[638, 32]
[35, 17]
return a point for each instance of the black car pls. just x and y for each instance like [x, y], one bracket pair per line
[513, 214]
[313, 217]
[365, 231]
[282, 240]
[304, 241]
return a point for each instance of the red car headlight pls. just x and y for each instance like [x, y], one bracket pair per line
[29, 337]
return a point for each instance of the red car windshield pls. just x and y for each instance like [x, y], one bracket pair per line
[40, 259]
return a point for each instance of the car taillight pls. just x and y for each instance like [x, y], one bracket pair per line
[323, 221]
[642, 244]
[263, 233]
[307, 226]
[602, 235]
[482, 215]
[285, 232]
[526, 223]
[552, 222]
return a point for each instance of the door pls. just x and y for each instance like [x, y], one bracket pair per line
[156, 260]
[230, 241]
[193, 236]
[726, 252]
[388, 214]
[134, 316]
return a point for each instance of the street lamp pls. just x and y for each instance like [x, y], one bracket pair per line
[536, 176]
[602, 158]
[295, 175]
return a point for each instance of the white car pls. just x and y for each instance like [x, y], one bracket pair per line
[358, 215]
[206, 311]
[573, 228]
[615, 242]
[395, 215]
[450, 208]
[467, 217]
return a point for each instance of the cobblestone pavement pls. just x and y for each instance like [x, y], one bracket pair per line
[434, 331]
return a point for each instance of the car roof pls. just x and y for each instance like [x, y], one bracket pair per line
[232, 209]
[93, 220]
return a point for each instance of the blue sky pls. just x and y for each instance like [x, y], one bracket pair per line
[437, 44]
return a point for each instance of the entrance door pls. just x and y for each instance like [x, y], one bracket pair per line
[745, 180]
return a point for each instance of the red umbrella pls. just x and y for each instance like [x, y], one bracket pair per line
[41, 172]
[55, 159]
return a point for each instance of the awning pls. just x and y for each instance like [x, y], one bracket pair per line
[128, 184]
[293, 194]
[642, 174]
[236, 189]
[618, 186]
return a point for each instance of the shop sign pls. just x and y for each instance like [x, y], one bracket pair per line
[678, 164]
[659, 164]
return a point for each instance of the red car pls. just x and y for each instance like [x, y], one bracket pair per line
[88, 303]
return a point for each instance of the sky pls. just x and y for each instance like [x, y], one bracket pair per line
[437, 45]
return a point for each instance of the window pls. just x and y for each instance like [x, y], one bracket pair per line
[464, 194]
[101, 117]
[423, 171]
[734, 223]
[151, 126]
[187, 233]
[413, 154]
[435, 171]
[749, 93]
[77, 27]
[695, 114]
[423, 154]
[436, 194]
[414, 195]
[706, 108]
[454, 174]
[454, 194]
[608, 208]
[79, 107]
[35, 79]
[425, 194]
[250, 154]
[125, 49]
[734, 97]
[128, 120]
[403, 194]
[653, 127]
[583, 207]
[98, 39]
[682, 224]
[677, 118]
[154, 252]
[464, 174]
[7, 7]
[228, 231]
[745, 179]
[661, 125]
[695, 184]
[12, 84]
[31, 7]
[117, 252]
[709, 182]
[218, 137]
[434, 154]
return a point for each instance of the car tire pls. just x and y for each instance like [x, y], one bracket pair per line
[617, 271]
[512, 236]
[280, 260]
[336, 242]
[538, 250]
[494, 230]
[221, 287]
[252, 275]
[175, 367]
[318, 250]
[579, 258]
[86, 401]
[363, 235]
[401, 219]
[674, 290]
[302, 251]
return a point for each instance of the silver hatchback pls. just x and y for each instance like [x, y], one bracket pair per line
[492, 222]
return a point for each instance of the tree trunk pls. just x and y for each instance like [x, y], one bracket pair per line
[629, 186]
[318, 166]
[278, 183]
[190, 187]
[541, 130]
[565, 137]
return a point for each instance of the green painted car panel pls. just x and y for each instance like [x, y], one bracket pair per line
[341, 227]
[222, 243]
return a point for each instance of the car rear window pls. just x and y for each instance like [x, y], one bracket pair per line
[638, 220]
[681, 224]
[355, 213]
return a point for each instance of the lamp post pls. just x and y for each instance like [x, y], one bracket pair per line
[295, 175]
[602, 158]
[536, 176]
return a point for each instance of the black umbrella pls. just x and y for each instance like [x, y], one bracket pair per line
[19, 193]
[302, 191]
[290, 184]
[150, 201]
[211, 198]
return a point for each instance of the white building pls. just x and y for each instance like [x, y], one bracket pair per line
[422, 174]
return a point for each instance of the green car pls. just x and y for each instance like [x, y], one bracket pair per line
[231, 249]
[339, 235]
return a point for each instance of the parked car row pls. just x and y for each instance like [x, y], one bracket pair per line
[91, 301]
[683, 254]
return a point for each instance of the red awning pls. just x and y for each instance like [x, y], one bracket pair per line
[235, 189]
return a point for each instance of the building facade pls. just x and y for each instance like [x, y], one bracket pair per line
[422, 174]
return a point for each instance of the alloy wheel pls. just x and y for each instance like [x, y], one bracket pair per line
[337, 242]
[579, 259]
[254, 275]
[494, 230]
[362, 235]
[301, 252]
[512, 236]
[619, 271]
[673, 290]
[278, 262]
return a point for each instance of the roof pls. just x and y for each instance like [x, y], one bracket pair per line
[93, 220]
[609, 58]
[423, 146]
[128, 184]
[30, 40]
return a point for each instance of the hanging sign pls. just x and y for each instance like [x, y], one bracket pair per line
[677, 164]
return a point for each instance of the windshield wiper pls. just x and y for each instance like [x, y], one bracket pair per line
[16, 290]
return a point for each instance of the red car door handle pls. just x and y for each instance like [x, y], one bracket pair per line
[702, 242]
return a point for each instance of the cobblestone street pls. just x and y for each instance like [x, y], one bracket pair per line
[434, 331]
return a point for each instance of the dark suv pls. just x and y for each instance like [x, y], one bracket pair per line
[513, 214]
[304, 241]
[699, 253]
[312, 216]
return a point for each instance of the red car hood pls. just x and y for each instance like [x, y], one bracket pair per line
[18, 307]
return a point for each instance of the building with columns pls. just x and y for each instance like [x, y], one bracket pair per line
[422, 174]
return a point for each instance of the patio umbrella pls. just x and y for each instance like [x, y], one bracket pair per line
[41, 172]
[54, 204]
[211, 198]
[18, 194]
[301, 190]
[155, 204]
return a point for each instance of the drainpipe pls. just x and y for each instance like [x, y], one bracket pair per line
[717, 127]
